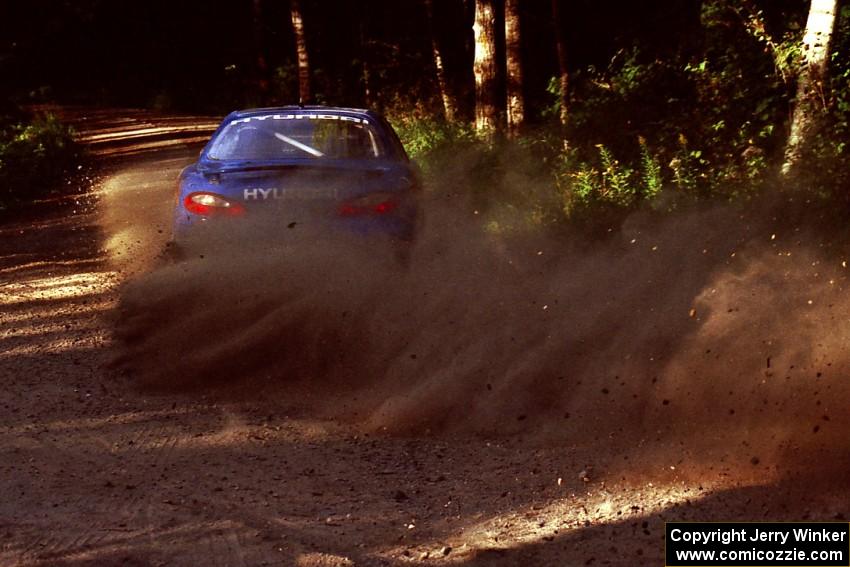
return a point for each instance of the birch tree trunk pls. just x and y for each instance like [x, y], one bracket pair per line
[810, 102]
[304, 93]
[449, 107]
[516, 101]
[564, 76]
[484, 68]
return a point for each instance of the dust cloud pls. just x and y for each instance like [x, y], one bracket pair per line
[710, 336]
[136, 212]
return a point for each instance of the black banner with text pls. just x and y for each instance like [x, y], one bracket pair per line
[758, 544]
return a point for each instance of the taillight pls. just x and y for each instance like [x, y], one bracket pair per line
[208, 204]
[369, 205]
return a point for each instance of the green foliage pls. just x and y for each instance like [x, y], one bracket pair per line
[34, 155]
[716, 114]
[685, 166]
[839, 127]
[606, 184]
[427, 139]
[552, 111]
[650, 171]
[785, 49]
[824, 169]
[603, 184]
[617, 186]
[743, 88]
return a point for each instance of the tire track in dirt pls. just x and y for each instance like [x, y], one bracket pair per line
[150, 445]
[151, 442]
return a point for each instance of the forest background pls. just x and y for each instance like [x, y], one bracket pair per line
[563, 113]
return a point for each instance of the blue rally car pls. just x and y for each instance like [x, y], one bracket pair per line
[333, 168]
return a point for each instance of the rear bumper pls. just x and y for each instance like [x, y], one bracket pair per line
[195, 229]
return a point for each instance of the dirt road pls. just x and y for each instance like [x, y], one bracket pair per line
[97, 471]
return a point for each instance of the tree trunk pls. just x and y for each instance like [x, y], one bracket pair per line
[810, 102]
[516, 101]
[449, 107]
[261, 68]
[365, 67]
[304, 93]
[564, 76]
[484, 67]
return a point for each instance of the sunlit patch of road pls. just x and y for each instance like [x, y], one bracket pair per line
[61, 286]
[541, 523]
[136, 212]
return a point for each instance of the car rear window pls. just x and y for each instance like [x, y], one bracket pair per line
[302, 136]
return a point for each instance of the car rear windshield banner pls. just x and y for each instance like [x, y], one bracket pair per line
[761, 544]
